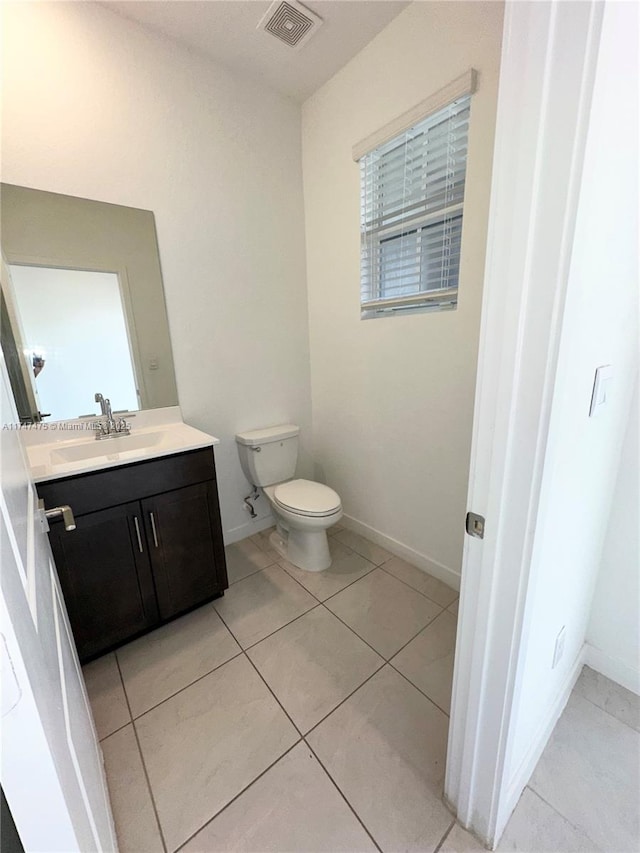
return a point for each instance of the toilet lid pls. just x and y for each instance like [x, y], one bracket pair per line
[307, 498]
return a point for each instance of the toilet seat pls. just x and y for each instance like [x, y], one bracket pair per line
[305, 497]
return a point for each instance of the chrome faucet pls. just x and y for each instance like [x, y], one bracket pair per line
[108, 428]
[103, 405]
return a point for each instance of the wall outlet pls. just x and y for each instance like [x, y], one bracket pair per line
[558, 650]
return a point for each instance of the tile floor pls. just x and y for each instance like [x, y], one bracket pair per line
[310, 711]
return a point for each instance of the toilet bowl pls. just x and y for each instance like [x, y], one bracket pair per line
[304, 510]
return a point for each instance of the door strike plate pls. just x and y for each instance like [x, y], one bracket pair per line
[475, 525]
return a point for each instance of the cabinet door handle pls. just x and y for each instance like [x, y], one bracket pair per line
[153, 529]
[135, 521]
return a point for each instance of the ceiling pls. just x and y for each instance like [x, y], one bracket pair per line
[225, 30]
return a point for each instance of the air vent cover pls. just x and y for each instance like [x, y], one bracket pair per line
[291, 22]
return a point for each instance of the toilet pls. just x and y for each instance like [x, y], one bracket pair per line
[304, 510]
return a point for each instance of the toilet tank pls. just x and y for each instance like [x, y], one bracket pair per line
[269, 455]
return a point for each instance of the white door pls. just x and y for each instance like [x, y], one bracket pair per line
[51, 767]
[549, 58]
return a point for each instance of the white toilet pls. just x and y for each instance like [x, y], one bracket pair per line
[304, 510]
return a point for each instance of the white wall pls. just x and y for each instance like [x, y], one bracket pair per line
[95, 106]
[392, 398]
[613, 634]
[600, 326]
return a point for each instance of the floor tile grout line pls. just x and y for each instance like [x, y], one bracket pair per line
[351, 583]
[115, 731]
[142, 761]
[391, 574]
[286, 625]
[578, 829]
[342, 794]
[293, 578]
[279, 557]
[353, 631]
[298, 732]
[364, 557]
[444, 837]
[329, 536]
[328, 714]
[280, 566]
[249, 648]
[346, 699]
[246, 577]
[600, 708]
[282, 627]
[333, 594]
[395, 557]
[243, 651]
[304, 736]
[419, 689]
[190, 684]
[266, 684]
[237, 796]
[148, 781]
[387, 660]
[263, 679]
[377, 565]
[415, 636]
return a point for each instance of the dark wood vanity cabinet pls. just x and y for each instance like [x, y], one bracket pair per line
[184, 546]
[130, 566]
[105, 577]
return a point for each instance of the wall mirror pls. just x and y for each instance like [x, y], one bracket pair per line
[83, 307]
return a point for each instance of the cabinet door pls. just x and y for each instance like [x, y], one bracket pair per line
[105, 577]
[185, 542]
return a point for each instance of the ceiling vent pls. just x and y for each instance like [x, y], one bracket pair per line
[291, 22]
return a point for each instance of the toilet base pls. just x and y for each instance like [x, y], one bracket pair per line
[306, 549]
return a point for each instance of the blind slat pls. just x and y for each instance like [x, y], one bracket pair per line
[445, 156]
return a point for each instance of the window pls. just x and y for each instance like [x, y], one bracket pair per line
[412, 196]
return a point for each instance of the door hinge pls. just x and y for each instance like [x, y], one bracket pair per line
[475, 525]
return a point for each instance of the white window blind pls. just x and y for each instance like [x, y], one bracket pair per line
[412, 196]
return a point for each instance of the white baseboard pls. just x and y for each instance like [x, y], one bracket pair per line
[613, 668]
[432, 567]
[253, 525]
[521, 777]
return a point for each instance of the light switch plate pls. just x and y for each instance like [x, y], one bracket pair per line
[601, 389]
[558, 649]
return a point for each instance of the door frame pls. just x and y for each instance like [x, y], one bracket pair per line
[549, 57]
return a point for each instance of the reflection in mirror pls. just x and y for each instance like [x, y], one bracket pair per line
[84, 305]
[72, 352]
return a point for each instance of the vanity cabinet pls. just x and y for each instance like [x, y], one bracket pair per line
[105, 578]
[147, 546]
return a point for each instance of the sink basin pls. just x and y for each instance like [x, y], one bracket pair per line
[54, 454]
[106, 448]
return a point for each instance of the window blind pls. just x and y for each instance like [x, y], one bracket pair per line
[412, 196]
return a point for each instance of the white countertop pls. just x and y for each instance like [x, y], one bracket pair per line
[66, 448]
